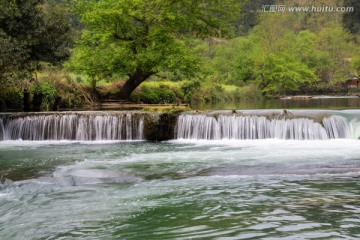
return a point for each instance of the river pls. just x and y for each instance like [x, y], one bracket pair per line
[186, 188]
[245, 189]
[315, 102]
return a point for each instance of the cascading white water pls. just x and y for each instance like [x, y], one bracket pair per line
[257, 127]
[73, 127]
[355, 128]
[337, 127]
[2, 130]
[130, 126]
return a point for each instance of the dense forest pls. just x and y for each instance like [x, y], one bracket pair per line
[67, 53]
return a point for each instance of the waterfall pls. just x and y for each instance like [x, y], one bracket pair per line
[73, 127]
[88, 126]
[258, 127]
[2, 130]
[337, 127]
[355, 128]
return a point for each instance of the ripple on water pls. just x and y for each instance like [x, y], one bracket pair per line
[262, 226]
[170, 191]
[298, 227]
[193, 232]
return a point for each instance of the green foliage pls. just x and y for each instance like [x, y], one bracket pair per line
[285, 53]
[190, 92]
[282, 58]
[210, 93]
[147, 37]
[162, 95]
[157, 92]
[356, 63]
[49, 93]
[12, 96]
[93, 62]
[243, 62]
[249, 91]
[275, 61]
[351, 19]
[31, 32]
[189, 89]
[55, 83]
[249, 15]
[336, 47]
[306, 48]
[183, 41]
[281, 74]
[206, 91]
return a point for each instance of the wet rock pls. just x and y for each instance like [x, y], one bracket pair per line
[160, 126]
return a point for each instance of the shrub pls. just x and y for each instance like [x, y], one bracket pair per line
[189, 90]
[49, 93]
[248, 92]
[157, 92]
[12, 98]
[61, 84]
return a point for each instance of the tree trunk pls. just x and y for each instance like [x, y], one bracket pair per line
[37, 101]
[26, 101]
[56, 105]
[132, 83]
[2, 105]
[264, 83]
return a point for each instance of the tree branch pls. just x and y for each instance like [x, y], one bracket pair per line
[118, 37]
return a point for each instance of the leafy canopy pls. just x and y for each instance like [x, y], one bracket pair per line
[31, 31]
[144, 37]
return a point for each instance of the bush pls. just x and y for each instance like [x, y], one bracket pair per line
[155, 93]
[12, 97]
[210, 92]
[48, 92]
[189, 90]
[248, 92]
[213, 93]
[62, 85]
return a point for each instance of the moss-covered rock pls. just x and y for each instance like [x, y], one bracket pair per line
[160, 126]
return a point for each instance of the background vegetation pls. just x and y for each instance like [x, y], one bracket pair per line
[70, 53]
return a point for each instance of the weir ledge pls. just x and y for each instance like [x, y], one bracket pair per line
[160, 126]
[315, 115]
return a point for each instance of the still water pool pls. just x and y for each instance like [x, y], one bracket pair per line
[315, 102]
[194, 189]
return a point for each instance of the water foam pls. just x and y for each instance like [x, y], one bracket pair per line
[73, 127]
[200, 126]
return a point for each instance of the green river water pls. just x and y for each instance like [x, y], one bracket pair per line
[181, 189]
[316, 102]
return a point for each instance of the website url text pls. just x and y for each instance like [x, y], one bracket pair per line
[323, 8]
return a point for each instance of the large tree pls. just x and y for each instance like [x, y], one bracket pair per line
[148, 37]
[31, 32]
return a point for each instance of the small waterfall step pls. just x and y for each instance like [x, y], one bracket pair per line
[84, 126]
[159, 126]
[220, 126]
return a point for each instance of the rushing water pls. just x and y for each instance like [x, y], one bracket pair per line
[228, 189]
[211, 125]
[70, 126]
[264, 124]
[254, 127]
[188, 188]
